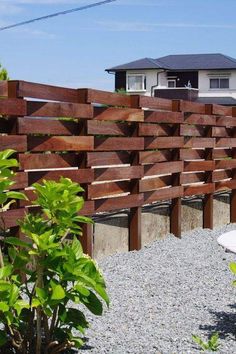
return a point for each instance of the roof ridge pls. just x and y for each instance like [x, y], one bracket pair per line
[230, 58]
[154, 61]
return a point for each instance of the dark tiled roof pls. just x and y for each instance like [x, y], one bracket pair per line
[227, 101]
[181, 62]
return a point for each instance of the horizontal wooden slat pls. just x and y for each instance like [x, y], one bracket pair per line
[118, 114]
[12, 106]
[47, 126]
[221, 132]
[199, 166]
[189, 130]
[110, 144]
[221, 110]
[163, 168]
[163, 117]
[163, 194]
[154, 129]
[45, 161]
[226, 121]
[61, 143]
[199, 143]
[88, 208]
[108, 128]
[219, 175]
[192, 107]
[108, 189]
[224, 164]
[225, 142]
[47, 92]
[54, 109]
[221, 153]
[164, 142]
[79, 176]
[128, 201]
[3, 88]
[192, 154]
[21, 181]
[10, 218]
[15, 142]
[107, 158]
[187, 178]
[118, 173]
[147, 157]
[155, 103]
[225, 185]
[151, 184]
[199, 119]
[104, 97]
[206, 188]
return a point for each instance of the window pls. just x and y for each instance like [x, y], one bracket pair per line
[136, 82]
[172, 83]
[219, 83]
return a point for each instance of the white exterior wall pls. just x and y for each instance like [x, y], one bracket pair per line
[204, 84]
[151, 80]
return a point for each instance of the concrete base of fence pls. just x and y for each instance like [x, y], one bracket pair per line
[111, 232]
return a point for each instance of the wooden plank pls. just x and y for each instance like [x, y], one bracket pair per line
[225, 164]
[164, 142]
[226, 142]
[45, 161]
[55, 109]
[221, 153]
[199, 143]
[233, 206]
[150, 184]
[163, 117]
[118, 173]
[221, 132]
[191, 154]
[61, 143]
[79, 176]
[219, 175]
[192, 107]
[163, 194]
[190, 130]
[225, 185]
[221, 110]
[46, 92]
[155, 103]
[8, 125]
[21, 181]
[108, 128]
[88, 208]
[107, 158]
[108, 189]
[226, 121]
[148, 157]
[104, 97]
[205, 188]
[118, 114]
[12, 106]
[46, 126]
[175, 216]
[163, 168]
[3, 88]
[154, 129]
[187, 178]
[199, 166]
[87, 239]
[15, 142]
[111, 144]
[208, 211]
[200, 119]
[10, 218]
[128, 201]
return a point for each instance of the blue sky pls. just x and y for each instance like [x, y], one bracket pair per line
[75, 49]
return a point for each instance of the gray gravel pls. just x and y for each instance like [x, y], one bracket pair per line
[163, 294]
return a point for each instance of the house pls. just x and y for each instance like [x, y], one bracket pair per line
[206, 78]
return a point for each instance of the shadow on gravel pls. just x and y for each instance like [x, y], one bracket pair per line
[86, 346]
[225, 323]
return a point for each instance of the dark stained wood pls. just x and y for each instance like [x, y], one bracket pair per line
[225, 164]
[199, 166]
[79, 176]
[148, 157]
[226, 142]
[208, 211]
[118, 114]
[221, 132]
[54, 109]
[118, 173]
[233, 206]
[10, 218]
[46, 126]
[205, 188]
[108, 128]
[155, 103]
[45, 161]
[129, 201]
[61, 143]
[12, 106]
[187, 178]
[199, 143]
[103, 97]
[150, 184]
[107, 158]
[192, 107]
[221, 153]
[191, 154]
[219, 175]
[164, 142]
[163, 194]
[163, 117]
[225, 185]
[15, 142]
[87, 239]
[3, 88]
[200, 119]
[108, 189]
[226, 121]
[88, 208]
[221, 110]
[175, 215]
[21, 181]
[189, 130]
[111, 144]
[155, 130]
[163, 168]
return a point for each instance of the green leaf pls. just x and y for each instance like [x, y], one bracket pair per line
[42, 294]
[3, 306]
[77, 248]
[58, 293]
[78, 342]
[17, 242]
[14, 292]
[16, 195]
[5, 271]
[232, 267]
[93, 304]
[3, 338]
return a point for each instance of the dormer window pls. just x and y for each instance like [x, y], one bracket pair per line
[219, 83]
[136, 82]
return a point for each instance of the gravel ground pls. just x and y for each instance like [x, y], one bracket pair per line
[163, 294]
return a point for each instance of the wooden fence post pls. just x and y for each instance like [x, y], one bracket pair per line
[233, 192]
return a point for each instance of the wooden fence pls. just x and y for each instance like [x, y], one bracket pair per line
[126, 151]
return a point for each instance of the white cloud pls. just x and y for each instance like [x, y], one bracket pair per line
[9, 9]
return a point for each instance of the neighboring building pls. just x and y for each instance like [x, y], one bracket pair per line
[207, 78]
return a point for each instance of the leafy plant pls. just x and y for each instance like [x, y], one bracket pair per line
[38, 312]
[3, 73]
[232, 267]
[211, 345]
